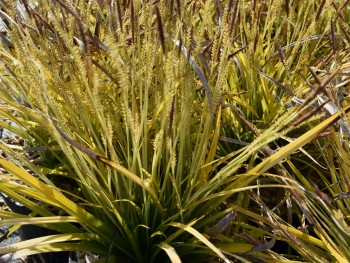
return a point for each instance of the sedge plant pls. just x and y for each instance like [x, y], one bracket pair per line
[176, 123]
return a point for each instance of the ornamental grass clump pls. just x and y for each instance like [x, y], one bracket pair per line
[159, 131]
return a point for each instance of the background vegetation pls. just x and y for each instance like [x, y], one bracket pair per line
[177, 131]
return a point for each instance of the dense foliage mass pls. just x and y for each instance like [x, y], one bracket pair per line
[194, 131]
